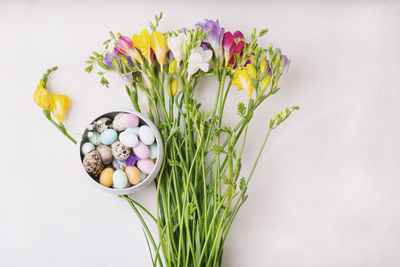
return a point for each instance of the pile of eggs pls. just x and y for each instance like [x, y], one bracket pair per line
[119, 152]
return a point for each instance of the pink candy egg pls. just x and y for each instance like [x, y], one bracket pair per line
[129, 120]
[142, 151]
[145, 166]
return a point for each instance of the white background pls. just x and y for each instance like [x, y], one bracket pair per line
[326, 192]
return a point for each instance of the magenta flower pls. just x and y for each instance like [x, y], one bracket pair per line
[125, 47]
[233, 45]
[215, 35]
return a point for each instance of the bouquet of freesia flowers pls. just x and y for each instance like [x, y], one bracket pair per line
[200, 188]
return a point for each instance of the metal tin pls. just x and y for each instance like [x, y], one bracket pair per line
[134, 188]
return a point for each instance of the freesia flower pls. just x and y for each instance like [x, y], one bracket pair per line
[252, 71]
[176, 46]
[159, 45]
[233, 45]
[108, 59]
[214, 37]
[142, 42]
[265, 82]
[172, 67]
[264, 66]
[125, 47]
[285, 63]
[42, 97]
[243, 80]
[60, 106]
[174, 86]
[199, 59]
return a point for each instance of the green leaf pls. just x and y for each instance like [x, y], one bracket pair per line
[89, 68]
[242, 184]
[172, 162]
[263, 32]
[217, 149]
[241, 109]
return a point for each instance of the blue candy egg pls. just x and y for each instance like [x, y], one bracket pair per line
[135, 131]
[153, 151]
[108, 136]
[120, 180]
[94, 138]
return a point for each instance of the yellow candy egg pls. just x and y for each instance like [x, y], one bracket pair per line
[133, 174]
[106, 177]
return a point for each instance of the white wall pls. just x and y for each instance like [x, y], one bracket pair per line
[326, 190]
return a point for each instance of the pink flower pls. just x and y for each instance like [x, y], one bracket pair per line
[233, 45]
[125, 47]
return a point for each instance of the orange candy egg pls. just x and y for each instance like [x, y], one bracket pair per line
[133, 174]
[106, 177]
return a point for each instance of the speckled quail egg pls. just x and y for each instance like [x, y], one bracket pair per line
[120, 151]
[105, 154]
[92, 163]
[103, 124]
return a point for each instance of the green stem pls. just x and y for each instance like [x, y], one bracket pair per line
[59, 126]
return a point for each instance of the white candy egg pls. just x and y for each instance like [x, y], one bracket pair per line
[128, 139]
[87, 147]
[146, 135]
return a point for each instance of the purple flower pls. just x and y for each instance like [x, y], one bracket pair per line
[108, 58]
[214, 37]
[131, 161]
[205, 46]
[285, 61]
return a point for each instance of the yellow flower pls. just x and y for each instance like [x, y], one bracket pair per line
[42, 97]
[174, 86]
[172, 67]
[243, 80]
[251, 70]
[159, 45]
[142, 42]
[265, 82]
[60, 106]
[263, 64]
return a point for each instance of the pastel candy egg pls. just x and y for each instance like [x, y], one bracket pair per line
[128, 139]
[143, 176]
[106, 177]
[105, 154]
[92, 163]
[120, 151]
[146, 135]
[133, 174]
[129, 120]
[134, 131]
[108, 137]
[145, 165]
[120, 180]
[142, 151]
[103, 124]
[87, 147]
[94, 138]
[116, 123]
[153, 151]
[119, 164]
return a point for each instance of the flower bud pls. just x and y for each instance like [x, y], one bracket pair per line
[42, 97]
[172, 67]
[174, 86]
[251, 70]
[265, 82]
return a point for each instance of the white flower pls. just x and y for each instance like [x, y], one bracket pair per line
[199, 59]
[175, 44]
